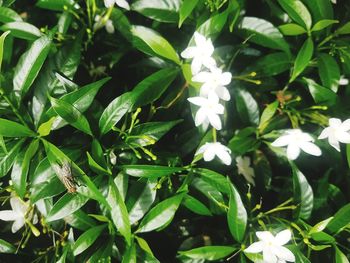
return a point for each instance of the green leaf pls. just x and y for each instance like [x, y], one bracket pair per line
[196, 206]
[2, 42]
[218, 181]
[8, 15]
[297, 11]
[267, 114]
[55, 5]
[340, 220]
[30, 64]
[328, 71]
[320, 9]
[97, 168]
[114, 112]
[150, 132]
[140, 198]
[270, 65]
[7, 161]
[161, 215]
[80, 220]
[162, 11]
[237, 215]
[209, 252]
[119, 213]
[247, 107]
[340, 257]
[65, 206]
[71, 115]
[130, 254]
[21, 167]
[244, 141]
[263, 33]
[303, 194]
[292, 29]
[321, 95]
[45, 128]
[46, 189]
[149, 171]
[22, 30]
[87, 239]
[14, 129]
[322, 24]
[153, 41]
[186, 9]
[343, 30]
[6, 247]
[303, 58]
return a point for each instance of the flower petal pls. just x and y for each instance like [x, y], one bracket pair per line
[343, 136]
[283, 253]
[283, 237]
[311, 148]
[109, 27]
[208, 155]
[18, 224]
[346, 125]
[255, 247]
[215, 121]
[202, 77]
[224, 156]
[334, 122]
[196, 65]
[199, 39]
[8, 215]
[202, 149]
[199, 101]
[325, 133]
[281, 141]
[123, 4]
[200, 117]
[109, 3]
[223, 93]
[293, 151]
[226, 78]
[269, 256]
[265, 236]
[209, 62]
[188, 52]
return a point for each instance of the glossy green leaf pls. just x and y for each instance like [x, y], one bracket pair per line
[2, 42]
[71, 115]
[150, 171]
[303, 194]
[29, 65]
[65, 206]
[162, 11]
[119, 213]
[320, 94]
[196, 206]
[340, 257]
[97, 168]
[56, 5]
[186, 9]
[247, 107]
[297, 11]
[322, 24]
[6, 247]
[7, 161]
[87, 239]
[303, 58]
[292, 29]
[215, 179]
[263, 33]
[345, 29]
[22, 30]
[267, 114]
[45, 128]
[80, 220]
[209, 252]
[155, 42]
[21, 167]
[328, 71]
[46, 189]
[14, 129]
[160, 215]
[270, 65]
[244, 141]
[237, 215]
[130, 254]
[340, 220]
[320, 9]
[8, 15]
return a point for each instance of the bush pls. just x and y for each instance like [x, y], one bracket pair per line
[175, 131]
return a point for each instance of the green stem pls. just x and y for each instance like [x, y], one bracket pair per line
[14, 109]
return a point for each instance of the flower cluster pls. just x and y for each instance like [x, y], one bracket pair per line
[213, 88]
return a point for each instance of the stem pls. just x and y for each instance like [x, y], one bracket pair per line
[214, 134]
[183, 88]
[291, 207]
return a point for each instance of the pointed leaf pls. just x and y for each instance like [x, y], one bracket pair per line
[87, 239]
[297, 11]
[209, 252]
[14, 129]
[303, 58]
[22, 30]
[328, 71]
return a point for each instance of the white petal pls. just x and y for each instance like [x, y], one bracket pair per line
[109, 3]
[325, 133]
[346, 125]
[223, 93]
[8, 215]
[188, 52]
[18, 205]
[334, 122]
[343, 136]
[226, 78]
[311, 148]
[281, 141]
[196, 65]
[109, 27]
[293, 151]
[199, 101]
[213, 98]
[305, 137]
[269, 256]
[255, 247]
[123, 4]
[283, 237]
[334, 143]
[343, 81]
[224, 156]
[200, 117]
[209, 62]
[215, 121]
[208, 155]
[202, 149]
[17, 224]
[205, 90]
[202, 77]
[265, 236]
[199, 39]
[218, 109]
[283, 253]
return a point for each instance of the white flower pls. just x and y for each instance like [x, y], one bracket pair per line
[17, 214]
[243, 165]
[201, 53]
[99, 23]
[336, 132]
[121, 3]
[210, 149]
[214, 81]
[272, 247]
[295, 140]
[208, 111]
[343, 81]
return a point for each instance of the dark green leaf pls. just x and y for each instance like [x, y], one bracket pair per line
[80, 220]
[328, 71]
[186, 9]
[14, 129]
[271, 65]
[22, 30]
[8, 15]
[215, 179]
[209, 252]
[97, 168]
[163, 11]
[7, 161]
[56, 5]
[6, 247]
[267, 114]
[340, 257]
[150, 171]
[297, 11]
[244, 141]
[247, 107]
[321, 94]
[340, 220]
[320, 9]
[303, 58]
[87, 239]
[196, 206]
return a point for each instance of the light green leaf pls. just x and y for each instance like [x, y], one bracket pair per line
[218, 181]
[303, 58]
[14, 129]
[45, 128]
[321, 95]
[22, 30]
[196, 206]
[2, 42]
[149, 171]
[343, 30]
[297, 11]
[328, 71]
[323, 24]
[55, 5]
[267, 114]
[209, 252]
[340, 257]
[292, 29]
[186, 9]
[6, 247]
[87, 239]
[8, 15]
[7, 161]
[161, 215]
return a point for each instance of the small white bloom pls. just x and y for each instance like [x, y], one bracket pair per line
[200, 54]
[243, 165]
[295, 140]
[17, 214]
[343, 81]
[214, 81]
[121, 3]
[272, 247]
[210, 149]
[336, 132]
[99, 23]
[208, 111]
